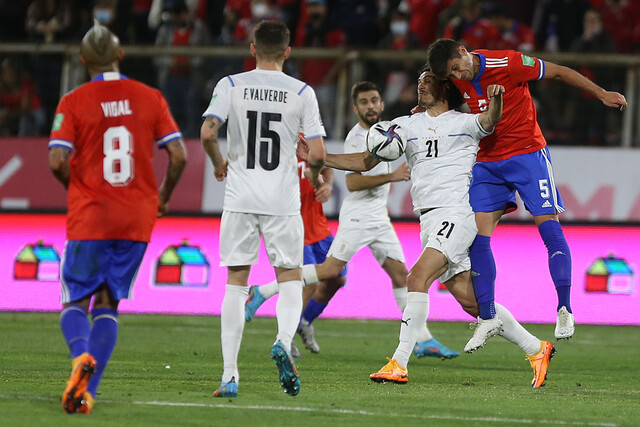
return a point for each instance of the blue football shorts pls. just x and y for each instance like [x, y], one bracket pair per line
[316, 253]
[87, 264]
[494, 184]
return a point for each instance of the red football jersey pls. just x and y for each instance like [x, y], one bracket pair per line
[112, 124]
[316, 227]
[518, 131]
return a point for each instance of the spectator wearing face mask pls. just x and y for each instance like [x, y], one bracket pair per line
[321, 74]
[180, 77]
[261, 10]
[21, 111]
[399, 77]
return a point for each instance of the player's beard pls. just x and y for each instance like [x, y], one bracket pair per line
[372, 120]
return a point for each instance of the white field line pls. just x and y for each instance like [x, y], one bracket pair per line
[397, 416]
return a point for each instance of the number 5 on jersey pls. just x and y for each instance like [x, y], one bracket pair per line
[269, 158]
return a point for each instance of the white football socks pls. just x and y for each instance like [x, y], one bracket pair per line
[400, 295]
[514, 332]
[288, 309]
[269, 290]
[413, 319]
[231, 327]
[309, 274]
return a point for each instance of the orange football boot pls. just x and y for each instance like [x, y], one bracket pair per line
[74, 398]
[540, 363]
[392, 372]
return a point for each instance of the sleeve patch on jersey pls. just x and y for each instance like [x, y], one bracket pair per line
[528, 61]
[213, 98]
[57, 122]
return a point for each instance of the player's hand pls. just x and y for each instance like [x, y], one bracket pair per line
[323, 193]
[163, 208]
[316, 181]
[402, 173]
[303, 148]
[494, 90]
[614, 99]
[418, 109]
[221, 172]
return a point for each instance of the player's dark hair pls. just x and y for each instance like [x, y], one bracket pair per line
[271, 39]
[360, 87]
[439, 53]
[446, 90]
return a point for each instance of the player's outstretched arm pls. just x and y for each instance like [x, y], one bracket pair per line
[59, 164]
[573, 78]
[356, 181]
[209, 139]
[177, 162]
[490, 118]
[356, 162]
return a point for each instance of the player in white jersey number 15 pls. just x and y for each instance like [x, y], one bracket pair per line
[441, 149]
[265, 110]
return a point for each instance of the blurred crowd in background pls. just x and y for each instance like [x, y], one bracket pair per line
[30, 84]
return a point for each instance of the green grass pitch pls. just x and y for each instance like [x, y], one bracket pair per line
[164, 369]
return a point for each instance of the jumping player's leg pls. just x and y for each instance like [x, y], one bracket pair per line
[483, 263]
[539, 353]
[533, 178]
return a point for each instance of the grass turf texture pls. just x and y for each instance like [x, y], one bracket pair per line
[593, 378]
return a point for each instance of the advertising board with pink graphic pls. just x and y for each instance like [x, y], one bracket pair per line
[181, 273]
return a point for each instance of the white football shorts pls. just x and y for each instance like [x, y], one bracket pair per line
[450, 231]
[240, 239]
[353, 236]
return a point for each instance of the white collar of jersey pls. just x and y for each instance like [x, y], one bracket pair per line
[108, 76]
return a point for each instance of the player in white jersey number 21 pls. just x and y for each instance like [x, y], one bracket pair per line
[441, 149]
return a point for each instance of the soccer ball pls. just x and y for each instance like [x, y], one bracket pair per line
[386, 141]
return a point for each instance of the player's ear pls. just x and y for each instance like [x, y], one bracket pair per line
[120, 55]
[83, 61]
[287, 52]
[253, 50]
[462, 50]
[381, 106]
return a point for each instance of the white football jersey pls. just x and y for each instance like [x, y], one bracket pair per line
[441, 152]
[365, 206]
[265, 110]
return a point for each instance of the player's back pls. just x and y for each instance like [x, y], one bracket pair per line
[112, 125]
[266, 111]
[518, 131]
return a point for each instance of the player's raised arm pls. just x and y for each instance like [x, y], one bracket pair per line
[177, 162]
[573, 78]
[209, 140]
[490, 118]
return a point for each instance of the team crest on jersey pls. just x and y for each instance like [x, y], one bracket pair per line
[57, 121]
[528, 61]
